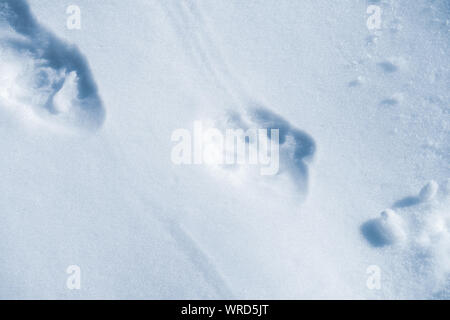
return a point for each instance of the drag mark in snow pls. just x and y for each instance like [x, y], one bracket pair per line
[41, 75]
[200, 259]
[190, 26]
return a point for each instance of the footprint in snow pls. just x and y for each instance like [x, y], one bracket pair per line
[392, 224]
[419, 225]
[392, 65]
[296, 147]
[41, 75]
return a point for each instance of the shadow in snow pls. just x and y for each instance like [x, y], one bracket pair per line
[407, 202]
[370, 231]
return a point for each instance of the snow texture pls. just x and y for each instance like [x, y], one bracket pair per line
[86, 177]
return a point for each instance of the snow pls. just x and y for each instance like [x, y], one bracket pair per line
[87, 116]
[429, 191]
[386, 229]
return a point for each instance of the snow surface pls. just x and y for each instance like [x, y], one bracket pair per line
[86, 118]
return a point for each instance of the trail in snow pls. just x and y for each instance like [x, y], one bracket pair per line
[297, 148]
[193, 31]
[51, 82]
[200, 259]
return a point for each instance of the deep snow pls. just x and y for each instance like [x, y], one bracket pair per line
[86, 176]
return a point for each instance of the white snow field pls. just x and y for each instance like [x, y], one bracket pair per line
[86, 176]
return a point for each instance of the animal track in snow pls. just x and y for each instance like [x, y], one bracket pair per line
[427, 193]
[388, 66]
[393, 64]
[42, 76]
[387, 229]
[419, 224]
[296, 148]
[426, 203]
